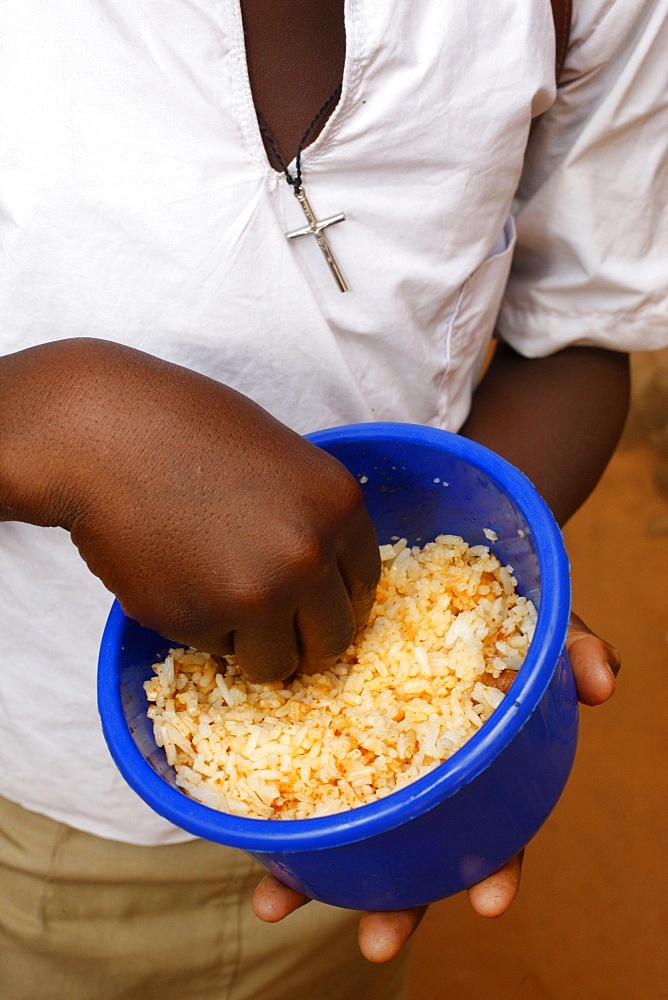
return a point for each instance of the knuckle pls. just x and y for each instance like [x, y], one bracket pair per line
[349, 497]
[339, 486]
[310, 557]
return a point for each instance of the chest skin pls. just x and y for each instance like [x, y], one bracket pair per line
[295, 51]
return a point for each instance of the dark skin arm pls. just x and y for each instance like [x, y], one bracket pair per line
[559, 420]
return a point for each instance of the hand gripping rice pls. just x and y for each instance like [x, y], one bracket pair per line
[446, 635]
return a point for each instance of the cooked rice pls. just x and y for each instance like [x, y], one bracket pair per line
[418, 681]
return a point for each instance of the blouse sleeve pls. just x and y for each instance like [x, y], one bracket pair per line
[591, 262]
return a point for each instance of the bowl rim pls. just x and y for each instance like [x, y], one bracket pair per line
[444, 781]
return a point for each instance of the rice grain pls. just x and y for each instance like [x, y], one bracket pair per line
[446, 632]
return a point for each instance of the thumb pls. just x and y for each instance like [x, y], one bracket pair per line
[594, 661]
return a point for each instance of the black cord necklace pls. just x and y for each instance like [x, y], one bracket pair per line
[314, 227]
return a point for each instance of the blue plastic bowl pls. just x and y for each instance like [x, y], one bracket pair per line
[471, 814]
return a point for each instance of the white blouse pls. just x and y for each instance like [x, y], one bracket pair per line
[137, 205]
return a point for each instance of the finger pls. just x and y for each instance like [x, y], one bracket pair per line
[595, 663]
[272, 901]
[383, 935]
[326, 624]
[267, 650]
[274, 646]
[493, 896]
[359, 565]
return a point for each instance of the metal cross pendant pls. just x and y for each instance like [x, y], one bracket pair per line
[315, 228]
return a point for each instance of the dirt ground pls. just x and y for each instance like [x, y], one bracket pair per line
[591, 918]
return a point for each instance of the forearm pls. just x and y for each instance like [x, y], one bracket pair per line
[558, 418]
[34, 400]
[60, 415]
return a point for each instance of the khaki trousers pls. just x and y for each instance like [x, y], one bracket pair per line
[88, 919]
